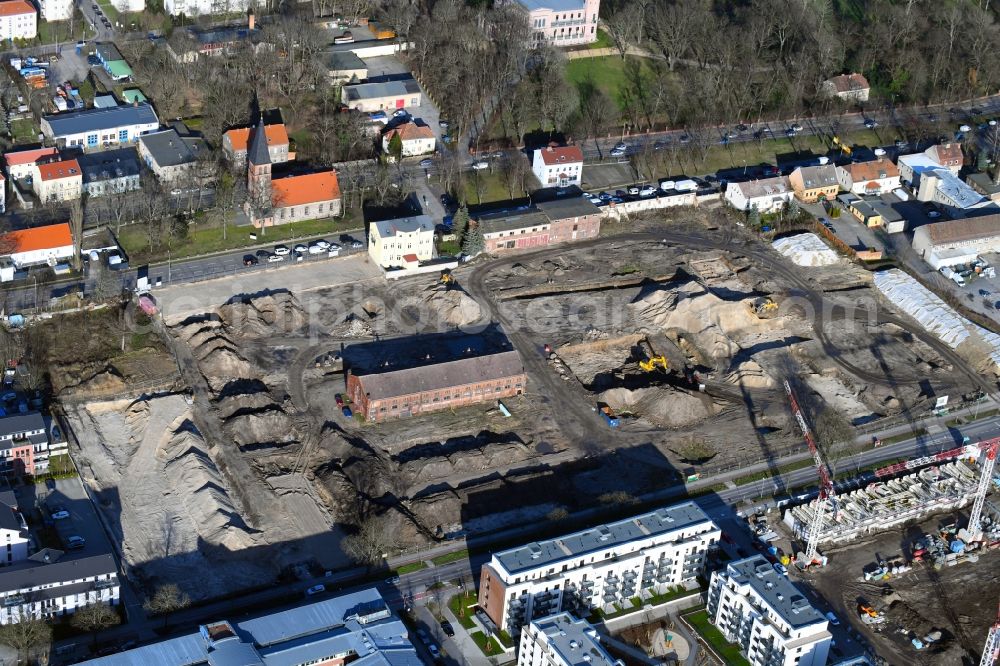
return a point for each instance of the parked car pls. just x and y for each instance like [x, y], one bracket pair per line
[797, 127]
[339, 399]
[274, 258]
[423, 636]
[75, 542]
[400, 113]
[964, 128]
[480, 165]
[870, 123]
[323, 243]
[433, 649]
[879, 152]
[741, 128]
[834, 620]
[357, 245]
[58, 512]
[93, 61]
[262, 254]
[332, 246]
[780, 568]
[790, 132]
[621, 145]
[426, 162]
[301, 248]
[249, 260]
[933, 214]
[281, 250]
[685, 138]
[984, 292]
[618, 152]
[634, 190]
[392, 580]
[316, 249]
[50, 484]
[443, 124]
[447, 628]
[659, 145]
[316, 589]
[597, 201]
[647, 191]
[346, 411]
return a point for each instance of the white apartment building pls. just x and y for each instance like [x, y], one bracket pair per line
[563, 22]
[18, 20]
[56, 10]
[760, 610]
[957, 241]
[14, 535]
[45, 586]
[562, 640]
[558, 166]
[869, 178]
[765, 196]
[597, 567]
[414, 139]
[401, 242]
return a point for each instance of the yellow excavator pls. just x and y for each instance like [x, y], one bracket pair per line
[843, 147]
[447, 279]
[763, 306]
[650, 363]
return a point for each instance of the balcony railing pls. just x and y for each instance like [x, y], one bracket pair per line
[567, 22]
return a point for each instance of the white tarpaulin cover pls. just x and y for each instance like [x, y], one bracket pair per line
[806, 250]
[931, 312]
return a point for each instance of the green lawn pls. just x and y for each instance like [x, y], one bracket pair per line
[606, 73]
[766, 474]
[488, 646]
[207, 239]
[485, 187]
[603, 41]
[730, 653]
[466, 601]
[109, 10]
[50, 32]
[23, 130]
[411, 567]
[450, 557]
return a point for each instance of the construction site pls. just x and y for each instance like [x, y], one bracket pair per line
[648, 360]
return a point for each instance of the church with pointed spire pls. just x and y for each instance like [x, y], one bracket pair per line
[273, 199]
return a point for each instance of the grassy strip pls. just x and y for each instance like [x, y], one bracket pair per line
[488, 646]
[450, 557]
[411, 567]
[969, 419]
[205, 240]
[919, 432]
[766, 474]
[671, 594]
[729, 652]
[460, 608]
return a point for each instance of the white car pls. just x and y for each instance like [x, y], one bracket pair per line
[618, 152]
[357, 245]
[316, 589]
[479, 166]
[316, 249]
[797, 127]
[322, 243]
[275, 258]
[597, 201]
[281, 250]
[964, 128]
[400, 113]
[647, 191]
[879, 152]
[633, 190]
[301, 248]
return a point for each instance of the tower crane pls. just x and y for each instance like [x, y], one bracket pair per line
[826, 490]
[985, 479]
[992, 644]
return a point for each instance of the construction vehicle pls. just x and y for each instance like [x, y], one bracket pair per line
[763, 306]
[840, 144]
[447, 279]
[869, 615]
[992, 644]
[826, 491]
[650, 363]
[608, 415]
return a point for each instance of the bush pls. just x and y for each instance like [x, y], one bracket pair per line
[835, 213]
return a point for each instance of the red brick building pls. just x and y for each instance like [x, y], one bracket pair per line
[465, 381]
[546, 223]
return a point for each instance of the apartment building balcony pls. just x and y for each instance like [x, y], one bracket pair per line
[629, 575]
[567, 23]
[586, 585]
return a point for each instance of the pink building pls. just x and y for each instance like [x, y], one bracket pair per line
[563, 22]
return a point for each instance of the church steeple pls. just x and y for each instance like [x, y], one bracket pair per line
[258, 154]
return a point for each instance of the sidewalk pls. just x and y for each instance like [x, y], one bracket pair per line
[471, 654]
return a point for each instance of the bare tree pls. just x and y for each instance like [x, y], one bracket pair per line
[95, 618]
[27, 633]
[372, 542]
[166, 600]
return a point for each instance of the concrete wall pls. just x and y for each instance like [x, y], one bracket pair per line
[617, 211]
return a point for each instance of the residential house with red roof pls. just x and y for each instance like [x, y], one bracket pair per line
[21, 163]
[58, 181]
[416, 139]
[19, 249]
[873, 177]
[18, 20]
[290, 198]
[558, 166]
[850, 87]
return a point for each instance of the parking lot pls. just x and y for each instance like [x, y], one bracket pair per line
[68, 494]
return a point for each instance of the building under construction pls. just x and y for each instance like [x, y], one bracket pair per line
[889, 502]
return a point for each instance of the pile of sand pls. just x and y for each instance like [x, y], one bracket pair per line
[452, 306]
[751, 375]
[709, 320]
[263, 315]
[660, 405]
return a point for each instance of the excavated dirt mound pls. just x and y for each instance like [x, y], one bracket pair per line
[452, 306]
[155, 478]
[263, 315]
[660, 405]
